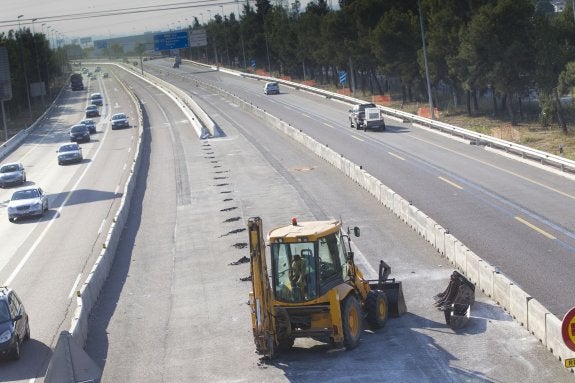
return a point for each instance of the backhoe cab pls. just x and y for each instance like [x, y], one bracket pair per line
[316, 290]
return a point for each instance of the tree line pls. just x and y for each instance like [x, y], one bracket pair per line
[504, 48]
[31, 60]
[507, 49]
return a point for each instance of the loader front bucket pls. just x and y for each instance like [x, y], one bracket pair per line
[395, 298]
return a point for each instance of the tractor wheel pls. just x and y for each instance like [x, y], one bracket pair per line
[283, 330]
[377, 308]
[352, 321]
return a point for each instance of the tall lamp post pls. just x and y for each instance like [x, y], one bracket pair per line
[242, 35]
[431, 112]
[37, 58]
[24, 67]
[225, 36]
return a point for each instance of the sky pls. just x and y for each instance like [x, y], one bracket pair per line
[74, 19]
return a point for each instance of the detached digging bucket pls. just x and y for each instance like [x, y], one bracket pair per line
[456, 300]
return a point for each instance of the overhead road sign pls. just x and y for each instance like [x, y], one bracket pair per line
[198, 38]
[171, 40]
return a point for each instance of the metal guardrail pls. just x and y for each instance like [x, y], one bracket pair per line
[544, 158]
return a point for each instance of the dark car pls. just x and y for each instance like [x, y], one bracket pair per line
[79, 133]
[68, 153]
[92, 111]
[120, 120]
[91, 124]
[12, 174]
[357, 114]
[14, 324]
[26, 203]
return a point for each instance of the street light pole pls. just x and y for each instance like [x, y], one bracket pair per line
[430, 96]
[225, 36]
[24, 66]
[242, 35]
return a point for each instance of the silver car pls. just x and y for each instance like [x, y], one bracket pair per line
[69, 153]
[120, 120]
[27, 202]
[12, 174]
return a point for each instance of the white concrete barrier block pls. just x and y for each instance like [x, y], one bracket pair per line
[536, 320]
[421, 220]
[450, 247]
[390, 200]
[398, 206]
[440, 238]
[430, 231]
[382, 194]
[461, 257]
[472, 263]
[412, 217]
[501, 287]
[486, 272]
[518, 300]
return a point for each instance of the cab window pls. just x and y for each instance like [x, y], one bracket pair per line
[293, 271]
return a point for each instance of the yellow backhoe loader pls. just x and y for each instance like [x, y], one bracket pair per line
[316, 290]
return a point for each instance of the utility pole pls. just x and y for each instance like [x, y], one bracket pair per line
[429, 95]
[21, 43]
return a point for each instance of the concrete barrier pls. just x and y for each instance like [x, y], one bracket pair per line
[461, 257]
[536, 320]
[501, 287]
[450, 242]
[472, 266]
[486, 272]
[518, 302]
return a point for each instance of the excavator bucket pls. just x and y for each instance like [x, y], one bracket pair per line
[456, 300]
[395, 298]
[392, 289]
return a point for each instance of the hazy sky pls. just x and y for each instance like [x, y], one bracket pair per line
[77, 18]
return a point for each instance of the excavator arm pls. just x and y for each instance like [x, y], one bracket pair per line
[261, 296]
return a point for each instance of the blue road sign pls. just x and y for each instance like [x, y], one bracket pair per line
[171, 40]
[342, 76]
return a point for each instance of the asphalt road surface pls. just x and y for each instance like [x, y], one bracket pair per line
[175, 306]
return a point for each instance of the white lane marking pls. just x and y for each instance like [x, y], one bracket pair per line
[450, 182]
[74, 286]
[357, 138]
[396, 156]
[101, 226]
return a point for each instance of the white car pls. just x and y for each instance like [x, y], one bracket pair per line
[120, 120]
[271, 88]
[12, 174]
[27, 202]
[69, 153]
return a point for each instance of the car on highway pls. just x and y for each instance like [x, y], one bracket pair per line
[92, 111]
[14, 324]
[105, 75]
[96, 99]
[26, 203]
[91, 124]
[271, 88]
[120, 120]
[79, 133]
[68, 153]
[357, 114]
[12, 174]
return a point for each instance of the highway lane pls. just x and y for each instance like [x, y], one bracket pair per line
[174, 308]
[47, 259]
[508, 212]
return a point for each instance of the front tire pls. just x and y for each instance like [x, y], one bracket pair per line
[377, 308]
[352, 321]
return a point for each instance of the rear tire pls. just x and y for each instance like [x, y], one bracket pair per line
[377, 308]
[16, 350]
[11, 219]
[351, 321]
